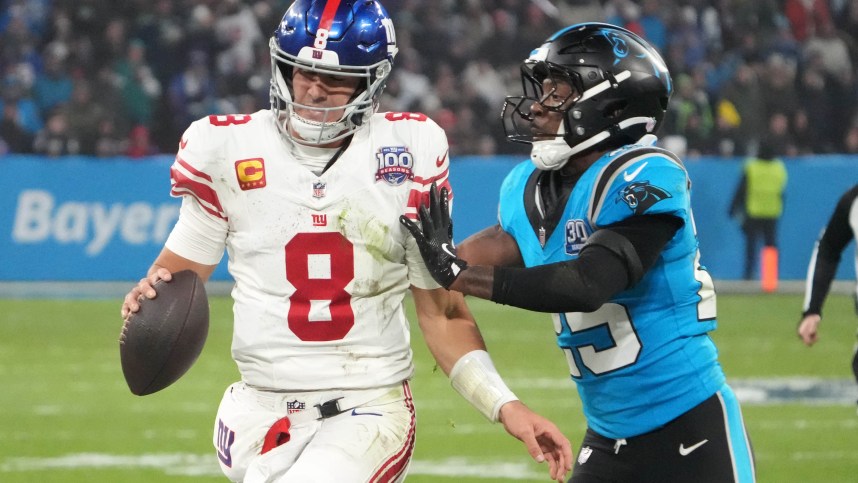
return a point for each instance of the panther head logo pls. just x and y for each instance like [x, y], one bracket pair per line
[640, 195]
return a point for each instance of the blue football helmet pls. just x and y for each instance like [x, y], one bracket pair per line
[621, 90]
[331, 37]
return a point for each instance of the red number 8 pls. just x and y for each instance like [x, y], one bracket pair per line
[340, 253]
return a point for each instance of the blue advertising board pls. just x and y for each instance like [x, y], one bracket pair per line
[88, 219]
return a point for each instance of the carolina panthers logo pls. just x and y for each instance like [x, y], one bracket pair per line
[621, 48]
[640, 195]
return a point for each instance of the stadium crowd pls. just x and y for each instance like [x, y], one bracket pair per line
[108, 78]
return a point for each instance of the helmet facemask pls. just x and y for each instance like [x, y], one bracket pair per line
[555, 90]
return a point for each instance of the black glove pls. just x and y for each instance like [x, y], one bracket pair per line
[436, 239]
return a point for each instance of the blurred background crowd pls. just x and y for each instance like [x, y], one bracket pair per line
[107, 77]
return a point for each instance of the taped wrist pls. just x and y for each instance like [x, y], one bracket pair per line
[474, 377]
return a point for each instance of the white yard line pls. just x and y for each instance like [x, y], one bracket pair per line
[206, 465]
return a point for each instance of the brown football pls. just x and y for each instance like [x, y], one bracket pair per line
[162, 340]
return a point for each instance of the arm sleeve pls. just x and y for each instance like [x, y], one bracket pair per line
[827, 252]
[609, 263]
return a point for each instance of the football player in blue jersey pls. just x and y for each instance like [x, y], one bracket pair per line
[597, 229]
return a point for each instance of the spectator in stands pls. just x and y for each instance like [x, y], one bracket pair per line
[136, 81]
[777, 77]
[745, 93]
[192, 93]
[727, 138]
[84, 114]
[817, 100]
[139, 143]
[111, 142]
[21, 116]
[691, 114]
[714, 38]
[804, 136]
[54, 139]
[850, 144]
[807, 17]
[53, 86]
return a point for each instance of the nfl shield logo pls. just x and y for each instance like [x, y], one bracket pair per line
[319, 189]
[295, 406]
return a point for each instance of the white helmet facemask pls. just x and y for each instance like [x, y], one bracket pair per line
[330, 128]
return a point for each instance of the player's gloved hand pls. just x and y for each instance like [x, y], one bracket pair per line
[435, 240]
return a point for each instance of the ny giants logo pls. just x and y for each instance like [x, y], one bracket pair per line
[395, 165]
[225, 438]
[319, 220]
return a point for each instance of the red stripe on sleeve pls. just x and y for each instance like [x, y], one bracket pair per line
[428, 181]
[418, 198]
[193, 170]
[205, 195]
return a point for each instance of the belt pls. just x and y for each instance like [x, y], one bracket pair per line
[337, 405]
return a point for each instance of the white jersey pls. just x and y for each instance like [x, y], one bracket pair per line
[321, 263]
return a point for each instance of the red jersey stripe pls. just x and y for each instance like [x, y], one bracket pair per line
[194, 171]
[417, 198]
[203, 193]
[428, 181]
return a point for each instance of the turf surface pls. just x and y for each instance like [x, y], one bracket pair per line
[68, 417]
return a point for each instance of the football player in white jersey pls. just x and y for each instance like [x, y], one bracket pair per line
[305, 198]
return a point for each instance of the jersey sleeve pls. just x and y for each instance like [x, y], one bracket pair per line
[647, 184]
[200, 232]
[197, 236]
[827, 252]
[431, 165]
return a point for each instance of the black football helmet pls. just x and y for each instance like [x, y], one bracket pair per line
[622, 89]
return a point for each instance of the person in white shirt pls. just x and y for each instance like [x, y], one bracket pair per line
[305, 198]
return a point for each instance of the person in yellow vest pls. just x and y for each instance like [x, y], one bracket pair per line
[758, 205]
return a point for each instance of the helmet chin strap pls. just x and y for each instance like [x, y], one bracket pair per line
[551, 154]
[314, 132]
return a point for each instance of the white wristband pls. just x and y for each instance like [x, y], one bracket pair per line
[474, 377]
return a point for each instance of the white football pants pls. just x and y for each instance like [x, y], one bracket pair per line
[368, 443]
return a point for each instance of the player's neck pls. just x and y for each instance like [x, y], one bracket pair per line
[578, 164]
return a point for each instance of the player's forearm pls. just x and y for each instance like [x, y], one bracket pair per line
[449, 339]
[477, 280]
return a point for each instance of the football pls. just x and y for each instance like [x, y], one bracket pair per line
[162, 340]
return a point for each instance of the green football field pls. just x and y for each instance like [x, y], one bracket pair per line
[67, 416]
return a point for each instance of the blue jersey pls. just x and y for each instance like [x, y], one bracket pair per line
[643, 358]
